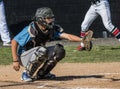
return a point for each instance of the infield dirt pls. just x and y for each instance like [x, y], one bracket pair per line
[69, 76]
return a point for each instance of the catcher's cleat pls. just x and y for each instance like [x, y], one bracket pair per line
[25, 77]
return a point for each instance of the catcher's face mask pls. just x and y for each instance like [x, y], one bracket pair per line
[46, 23]
[50, 20]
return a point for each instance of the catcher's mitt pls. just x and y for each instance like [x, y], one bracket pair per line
[87, 40]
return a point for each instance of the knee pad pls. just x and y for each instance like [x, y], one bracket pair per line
[58, 52]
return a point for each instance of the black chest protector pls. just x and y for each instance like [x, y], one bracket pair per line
[40, 37]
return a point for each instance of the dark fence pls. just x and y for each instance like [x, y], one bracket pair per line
[68, 13]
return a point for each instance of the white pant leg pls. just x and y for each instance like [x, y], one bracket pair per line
[5, 36]
[90, 16]
[104, 12]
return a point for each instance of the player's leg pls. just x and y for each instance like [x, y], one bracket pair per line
[56, 53]
[104, 12]
[31, 60]
[106, 18]
[90, 16]
[5, 36]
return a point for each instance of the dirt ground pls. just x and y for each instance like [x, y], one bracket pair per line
[69, 75]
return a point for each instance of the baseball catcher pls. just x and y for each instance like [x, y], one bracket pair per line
[29, 49]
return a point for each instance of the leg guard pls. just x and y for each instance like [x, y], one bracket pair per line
[46, 68]
[33, 58]
[56, 53]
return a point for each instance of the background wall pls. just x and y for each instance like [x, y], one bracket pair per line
[68, 13]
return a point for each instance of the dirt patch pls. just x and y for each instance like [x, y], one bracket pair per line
[69, 76]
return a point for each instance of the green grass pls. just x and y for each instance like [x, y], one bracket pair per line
[97, 54]
[5, 56]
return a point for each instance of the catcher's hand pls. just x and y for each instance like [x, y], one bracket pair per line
[16, 66]
[87, 40]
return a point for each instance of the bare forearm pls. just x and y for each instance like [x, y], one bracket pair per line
[70, 37]
[14, 50]
[16, 65]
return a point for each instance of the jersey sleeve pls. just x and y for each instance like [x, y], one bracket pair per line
[23, 37]
[58, 31]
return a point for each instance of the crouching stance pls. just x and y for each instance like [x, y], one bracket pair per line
[30, 51]
[39, 61]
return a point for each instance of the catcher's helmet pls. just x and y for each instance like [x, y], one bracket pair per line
[44, 12]
[41, 14]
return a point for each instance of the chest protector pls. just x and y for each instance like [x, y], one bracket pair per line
[39, 37]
